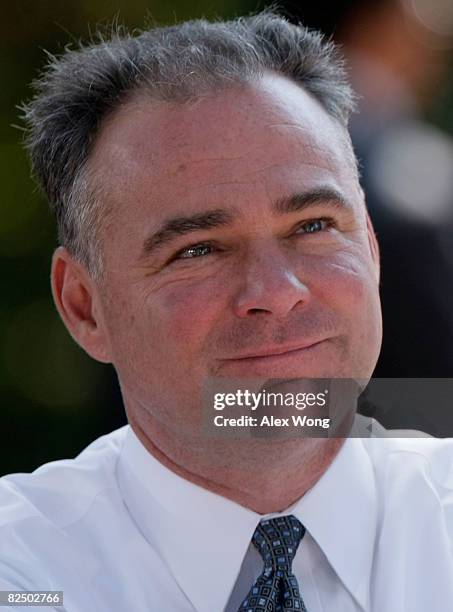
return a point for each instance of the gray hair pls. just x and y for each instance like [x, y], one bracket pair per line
[177, 64]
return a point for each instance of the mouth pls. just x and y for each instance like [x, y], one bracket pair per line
[312, 358]
[274, 352]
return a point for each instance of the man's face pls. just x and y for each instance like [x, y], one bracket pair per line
[236, 246]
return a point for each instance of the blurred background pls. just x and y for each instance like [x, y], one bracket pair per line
[54, 399]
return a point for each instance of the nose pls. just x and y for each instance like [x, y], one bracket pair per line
[268, 285]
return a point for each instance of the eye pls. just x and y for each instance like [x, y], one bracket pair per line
[313, 226]
[196, 250]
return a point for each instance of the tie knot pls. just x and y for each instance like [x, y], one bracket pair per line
[277, 541]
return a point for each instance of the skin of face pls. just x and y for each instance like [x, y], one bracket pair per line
[236, 233]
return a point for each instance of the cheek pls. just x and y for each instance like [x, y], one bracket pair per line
[348, 285]
[351, 286]
[346, 280]
[189, 310]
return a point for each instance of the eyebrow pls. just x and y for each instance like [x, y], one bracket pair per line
[180, 226]
[324, 196]
[216, 218]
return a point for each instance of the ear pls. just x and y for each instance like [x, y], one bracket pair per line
[78, 302]
[374, 246]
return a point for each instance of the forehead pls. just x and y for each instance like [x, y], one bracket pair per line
[270, 133]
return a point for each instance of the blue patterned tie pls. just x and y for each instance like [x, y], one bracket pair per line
[276, 589]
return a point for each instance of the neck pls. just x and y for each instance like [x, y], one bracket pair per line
[261, 474]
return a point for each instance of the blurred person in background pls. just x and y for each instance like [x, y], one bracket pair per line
[211, 224]
[398, 56]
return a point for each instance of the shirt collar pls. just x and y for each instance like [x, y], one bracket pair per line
[340, 513]
[190, 526]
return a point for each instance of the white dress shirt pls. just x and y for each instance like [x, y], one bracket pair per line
[116, 531]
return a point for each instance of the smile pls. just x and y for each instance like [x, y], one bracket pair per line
[275, 353]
